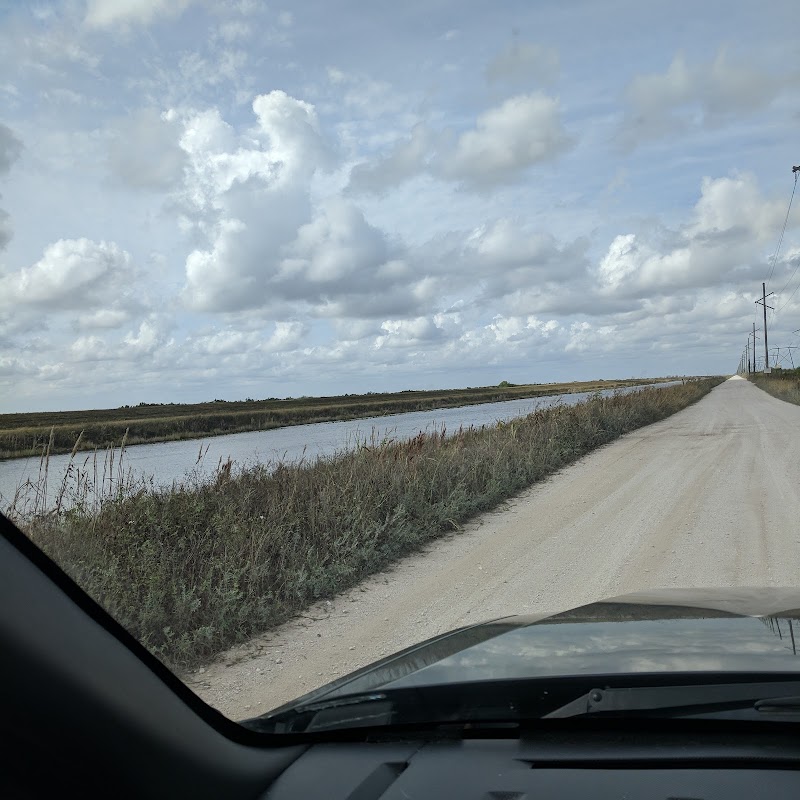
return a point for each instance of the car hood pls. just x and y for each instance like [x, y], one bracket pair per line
[671, 630]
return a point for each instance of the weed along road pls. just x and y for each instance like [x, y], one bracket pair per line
[708, 497]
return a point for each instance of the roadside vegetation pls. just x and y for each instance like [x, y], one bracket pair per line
[197, 568]
[783, 384]
[25, 435]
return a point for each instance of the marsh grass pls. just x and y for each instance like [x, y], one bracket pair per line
[88, 482]
[783, 384]
[201, 566]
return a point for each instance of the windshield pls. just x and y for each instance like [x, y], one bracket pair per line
[327, 330]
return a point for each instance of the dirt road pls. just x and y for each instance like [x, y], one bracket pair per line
[708, 497]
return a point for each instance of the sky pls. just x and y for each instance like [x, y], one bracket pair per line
[225, 200]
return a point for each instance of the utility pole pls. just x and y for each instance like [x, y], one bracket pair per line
[753, 368]
[747, 351]
[763, 302]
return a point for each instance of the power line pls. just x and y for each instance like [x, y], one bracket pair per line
[789, 299]
[745, 360]
[796, 172]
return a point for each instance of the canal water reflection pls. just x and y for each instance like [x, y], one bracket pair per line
[164, 463]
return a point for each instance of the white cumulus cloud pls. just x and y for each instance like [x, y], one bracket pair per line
[723, 241]
[506, 140]
[247, 193]
[72, 274]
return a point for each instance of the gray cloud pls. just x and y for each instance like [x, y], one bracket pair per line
[690, 95]
[338, 252]
[508, 139]
[6, 231]
[407, 159]
[504, 262]
[144, 153]
[524, 62]
[10, 151]
[104, 319]
[10, 148]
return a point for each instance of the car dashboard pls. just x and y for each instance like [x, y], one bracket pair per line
[87, 711]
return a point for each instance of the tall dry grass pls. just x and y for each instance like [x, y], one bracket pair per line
[86, 485]
[783, 384]
[199, 567]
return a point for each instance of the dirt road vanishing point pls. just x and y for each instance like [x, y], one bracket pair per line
[707, 497]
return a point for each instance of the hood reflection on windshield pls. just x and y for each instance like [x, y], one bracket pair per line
[724, 644]
[713, 630]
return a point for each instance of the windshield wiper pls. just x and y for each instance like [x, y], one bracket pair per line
[527, 702]
[351, 711]
[769, 697]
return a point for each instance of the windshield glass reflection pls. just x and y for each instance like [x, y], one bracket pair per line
[719, 643]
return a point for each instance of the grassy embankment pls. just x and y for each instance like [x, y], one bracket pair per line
[783, 384]
[24, 435]
[194, 570]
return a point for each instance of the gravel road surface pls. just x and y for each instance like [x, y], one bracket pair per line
[708, 497]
